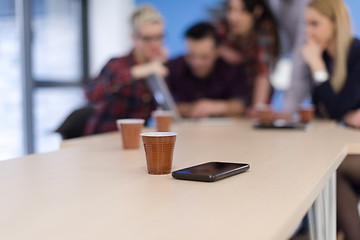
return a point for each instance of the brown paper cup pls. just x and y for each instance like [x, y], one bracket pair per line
[159, 148]
[306, 114]
[130, 130]
[266, 116]
[163, 120]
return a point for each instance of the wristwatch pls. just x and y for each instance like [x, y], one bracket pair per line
[320, 76]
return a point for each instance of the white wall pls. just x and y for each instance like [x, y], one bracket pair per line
[109, 31]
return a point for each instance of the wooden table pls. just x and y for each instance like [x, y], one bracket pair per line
[92, 189]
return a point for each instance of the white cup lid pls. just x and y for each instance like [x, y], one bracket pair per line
[130, 121]
[159, 134]
[162, 113]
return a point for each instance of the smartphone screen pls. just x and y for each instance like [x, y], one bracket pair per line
[211, 171]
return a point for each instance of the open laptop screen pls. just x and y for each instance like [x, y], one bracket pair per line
[162, 95]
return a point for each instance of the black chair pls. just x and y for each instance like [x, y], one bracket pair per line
[74, 125]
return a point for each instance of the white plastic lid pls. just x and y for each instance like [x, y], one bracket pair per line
[130, 121]
[162, 113]
[159, 134]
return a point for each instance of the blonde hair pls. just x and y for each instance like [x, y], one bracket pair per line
[336, 11]
[144, 15]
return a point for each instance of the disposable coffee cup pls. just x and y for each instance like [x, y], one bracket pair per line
[265, 115]
[163, 120]
[306, 114]
[130, 130]
[159, 148]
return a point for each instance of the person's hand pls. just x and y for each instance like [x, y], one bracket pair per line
[207, 108]
[144, 70]
[283, 115]
[312, 54]
[251, 113]
[353, 118]
[230, 55]
[158, 68]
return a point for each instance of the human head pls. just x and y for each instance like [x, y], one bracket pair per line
[244, 15]
[327, 22]
[148, 32]
[201, 43]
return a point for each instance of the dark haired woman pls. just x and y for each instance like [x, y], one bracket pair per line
[249, 38]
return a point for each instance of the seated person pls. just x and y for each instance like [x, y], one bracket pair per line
[333, 56]
[290, 19]
[249, 37]
[203, 85]
[120, 90]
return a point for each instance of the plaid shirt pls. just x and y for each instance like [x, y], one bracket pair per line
[225, 82]
[116, 95]
[258, 51]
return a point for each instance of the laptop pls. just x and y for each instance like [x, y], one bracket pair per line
[162, 95]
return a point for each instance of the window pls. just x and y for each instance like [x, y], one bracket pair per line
[57, 61]
[11, 129]
[59, 67]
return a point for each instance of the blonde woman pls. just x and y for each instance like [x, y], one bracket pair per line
[333, 57]
[120, 90]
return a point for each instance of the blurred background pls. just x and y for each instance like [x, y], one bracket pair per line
[50, 48]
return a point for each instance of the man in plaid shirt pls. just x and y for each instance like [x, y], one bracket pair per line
[120, 90]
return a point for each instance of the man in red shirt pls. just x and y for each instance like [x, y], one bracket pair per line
[204, 85]
[120, 90]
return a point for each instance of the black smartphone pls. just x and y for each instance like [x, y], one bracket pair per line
[211, 171]
[281, 124]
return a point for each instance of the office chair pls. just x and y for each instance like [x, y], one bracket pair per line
[74, 125]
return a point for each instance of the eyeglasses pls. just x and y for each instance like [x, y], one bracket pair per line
[149, 39]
